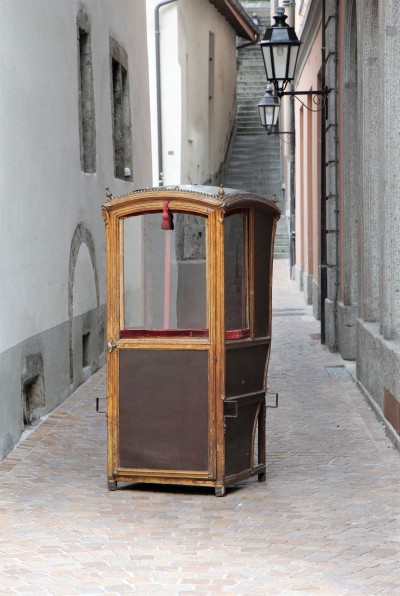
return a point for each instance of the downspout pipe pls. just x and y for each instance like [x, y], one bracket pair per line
[158, 85]
[337, 208]
[323, 239]
[324, 232]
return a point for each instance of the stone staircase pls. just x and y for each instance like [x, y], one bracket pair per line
[255, 159]
[281, 247]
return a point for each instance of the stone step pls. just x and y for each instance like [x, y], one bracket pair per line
[253, 75]
[247, 113]
[246, 122]
[249, 96]
[274, 181]
[252, 85]
[252, 69]
[261, 158]
[246, 106]
[248, 100]
[240, 154]
[250, 124]
[251, 130]
[257, 170]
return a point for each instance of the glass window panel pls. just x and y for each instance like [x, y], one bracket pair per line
[266, 51]
[236, 272]
[294, 52]
[280, 61]
[165, 273]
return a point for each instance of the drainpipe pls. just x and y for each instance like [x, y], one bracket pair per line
[323, 239]
[158, 83]
[324, 260]
[335, 305]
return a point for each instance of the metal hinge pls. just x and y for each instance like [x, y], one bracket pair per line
[111, 345]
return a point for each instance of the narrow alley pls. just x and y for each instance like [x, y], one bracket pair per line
[326, 521]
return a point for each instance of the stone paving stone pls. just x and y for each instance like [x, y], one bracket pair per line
[326, 521]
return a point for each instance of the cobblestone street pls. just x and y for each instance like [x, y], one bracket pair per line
[326, 521]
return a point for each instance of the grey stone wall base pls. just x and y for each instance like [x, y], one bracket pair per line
[340, 329]
[20, 364]
[347, 331]
[316, 300]
[330, 324]
[87, 324]
[308, 287]
[378, 362]
[376, 406]
[306, 284]
[297, 274]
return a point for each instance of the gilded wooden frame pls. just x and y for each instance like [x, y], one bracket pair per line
[213, 204]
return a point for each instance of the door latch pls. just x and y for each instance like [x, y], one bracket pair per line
[111, 345]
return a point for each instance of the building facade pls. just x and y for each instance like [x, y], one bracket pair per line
[75, 119]
[192, 56]
[347, 188]
[86, 104]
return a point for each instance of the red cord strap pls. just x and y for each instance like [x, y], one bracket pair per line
[167, 218]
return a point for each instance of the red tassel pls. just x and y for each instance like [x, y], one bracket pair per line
[167, 221]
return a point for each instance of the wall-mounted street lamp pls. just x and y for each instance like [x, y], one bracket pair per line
[269, 110]
[280, 50]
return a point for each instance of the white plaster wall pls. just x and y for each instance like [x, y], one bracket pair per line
[189, 154]
[205, 140]
[44, 193]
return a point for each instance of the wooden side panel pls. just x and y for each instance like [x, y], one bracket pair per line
[245, 370]
[240, 435]
[263, 237]
[163, 409]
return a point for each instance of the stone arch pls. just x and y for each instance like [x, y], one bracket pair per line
[81, 236]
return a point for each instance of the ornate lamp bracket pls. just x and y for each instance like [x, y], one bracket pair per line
[319, 98]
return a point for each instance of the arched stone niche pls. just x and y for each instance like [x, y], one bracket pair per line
[86, 328]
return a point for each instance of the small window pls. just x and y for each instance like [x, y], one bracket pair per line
[87, 127]
[121, 112]
[236, 276]
[165, 276]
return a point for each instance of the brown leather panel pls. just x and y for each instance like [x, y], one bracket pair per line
[163, 414]
[262, 273]
[245, 368]
[239, 437]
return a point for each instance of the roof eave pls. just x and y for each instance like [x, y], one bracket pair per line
[238, 18]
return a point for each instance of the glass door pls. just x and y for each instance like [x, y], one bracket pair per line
[164, 396]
